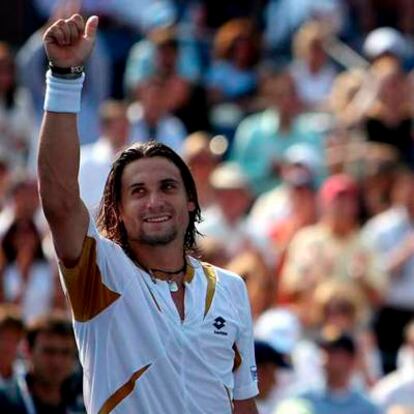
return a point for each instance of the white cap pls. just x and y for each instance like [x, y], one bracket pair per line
[306, 155]
[385, 40]
[228, 175]
[278, 327]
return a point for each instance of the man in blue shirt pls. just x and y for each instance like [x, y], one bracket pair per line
[337, 396]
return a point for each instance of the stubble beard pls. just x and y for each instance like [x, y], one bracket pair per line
[158, 239]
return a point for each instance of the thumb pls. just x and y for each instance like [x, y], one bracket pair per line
[91, 27]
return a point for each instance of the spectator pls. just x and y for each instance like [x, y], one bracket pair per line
[260, 286]
[338, 396]
[262, 139]
[301, 195]
[274, 206]
[50, 384]
[333, 248]
[395, 389]
[391, 235]
[268, 361]
[22, 201]
[26, 274]
[389, 119]
[341, 306]
[201, 159]
[11, 335]
[225, 221]
[313, 74]
[142, 61]
[16, 111]
[96, 159]
[232, 76]
[150, 119]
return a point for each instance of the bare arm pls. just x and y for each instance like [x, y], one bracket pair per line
[245, 406]
[67, 43]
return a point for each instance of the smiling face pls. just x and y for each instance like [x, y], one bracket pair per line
[154, 204]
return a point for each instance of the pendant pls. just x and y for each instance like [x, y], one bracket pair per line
[173, 286]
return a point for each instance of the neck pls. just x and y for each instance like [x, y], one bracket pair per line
[285, 121]
[340, 228]
[46, 392]
[338, 384]
[168, 258]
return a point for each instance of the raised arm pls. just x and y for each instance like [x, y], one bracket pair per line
[68, 43]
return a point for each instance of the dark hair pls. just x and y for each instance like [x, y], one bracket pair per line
[10, 319]
[108, 221]
[9, 248]
[55, 323]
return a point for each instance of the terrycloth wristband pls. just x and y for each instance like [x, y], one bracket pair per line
[63, 95]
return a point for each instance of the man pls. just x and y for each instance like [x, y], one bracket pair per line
[391, 235]
[332, 248]
[11, 334]
[50, 385]
[337, 396]
[158, 332]
[396, 388]
[269, 363]
[96, 159]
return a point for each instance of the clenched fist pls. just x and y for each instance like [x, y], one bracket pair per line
[69, 42]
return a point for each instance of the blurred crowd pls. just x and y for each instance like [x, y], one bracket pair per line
[296, 119]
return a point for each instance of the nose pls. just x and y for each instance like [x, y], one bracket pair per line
[155, 200]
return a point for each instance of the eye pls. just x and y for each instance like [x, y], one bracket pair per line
[138, 191]
[168, 186]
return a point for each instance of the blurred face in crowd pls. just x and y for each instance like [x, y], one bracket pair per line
[316, 56]
[53, 358]
[340, 314]
[242, 52]
[116, 129]
[166, 57]
[343, 207]
[338, 366]
[26, 199]
[393, 88]
[233, 202]
[9, 344]
[152, 98]
[283, 95]
[202, 164]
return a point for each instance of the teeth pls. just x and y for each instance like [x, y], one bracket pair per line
[157, 219]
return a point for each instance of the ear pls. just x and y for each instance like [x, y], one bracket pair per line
[120, 213]
[191, 206]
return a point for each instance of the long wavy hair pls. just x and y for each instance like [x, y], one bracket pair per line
[108, 221]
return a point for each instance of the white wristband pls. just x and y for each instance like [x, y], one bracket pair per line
[63, 95]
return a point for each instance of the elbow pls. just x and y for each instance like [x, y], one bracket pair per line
[58, 205]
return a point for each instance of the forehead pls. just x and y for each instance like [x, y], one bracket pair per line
[54, 339]
[149, 171]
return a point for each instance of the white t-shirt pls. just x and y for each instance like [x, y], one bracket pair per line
[137, 354]
[95, 164]
[36, 293]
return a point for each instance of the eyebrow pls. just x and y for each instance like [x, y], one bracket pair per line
[162, 181]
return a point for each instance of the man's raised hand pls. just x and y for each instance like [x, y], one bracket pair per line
[69, 42]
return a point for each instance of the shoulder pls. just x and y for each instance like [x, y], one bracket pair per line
[364, 401]
[225, 278]
[386, 221]
[10, 399]
[310, 234]
[391, 384]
